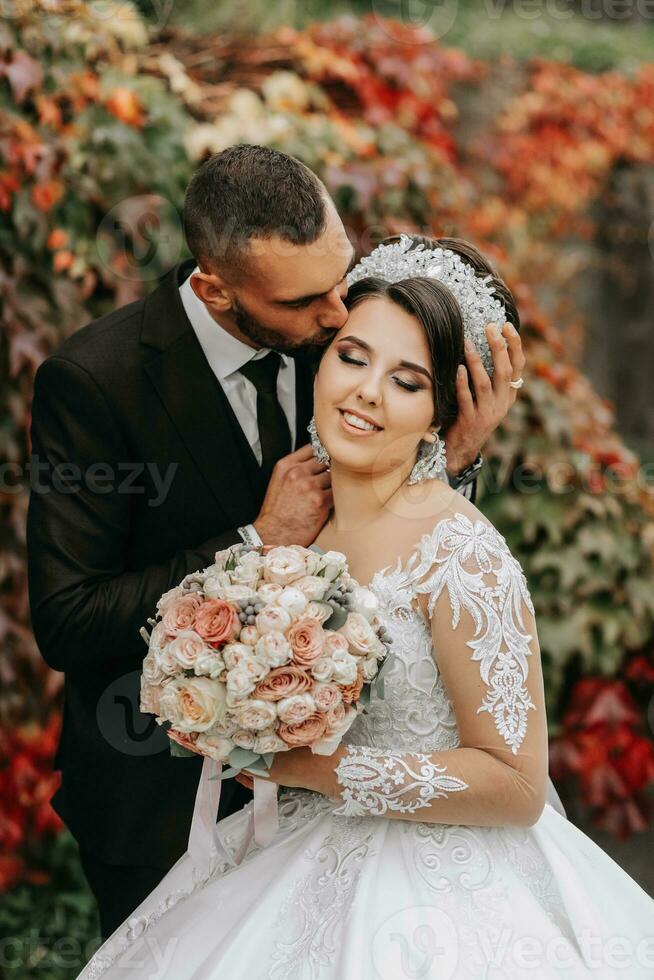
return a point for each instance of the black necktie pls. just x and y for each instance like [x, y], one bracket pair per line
[274, 433]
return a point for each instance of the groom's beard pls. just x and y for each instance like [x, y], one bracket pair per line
[263, 336]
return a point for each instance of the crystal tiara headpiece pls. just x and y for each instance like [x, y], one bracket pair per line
[478, 304]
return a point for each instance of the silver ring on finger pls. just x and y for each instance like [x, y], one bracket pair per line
[517, 384]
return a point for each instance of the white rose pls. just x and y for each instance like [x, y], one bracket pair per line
[323, 669]
[193, 704]
[345, 667]
[336, 641]
[363, 601]
[293, 601]
[312, 560]
[166, 659]
[234, 701]
[215, 746]
[268, 592]
[225, 728]
[251, 559]
[214, 584]
[187, 647]
[273, 619]
[249, 635]
[239, 682]
[296, 708]
[332, 564]
[152, 672]
[255, 668]
[209, 664]
[169, 597]
[283, 565]
[370, 668]
[313, 586]
[234, 593]
[273, 649]
[319, 610]
[269, 742]
[245, 575]
[234, 654]
[256, 715]
[360, 635]
[244, 739]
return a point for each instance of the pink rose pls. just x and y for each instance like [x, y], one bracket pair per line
[303, 732]
[282, 682]
[180, 614]
[326, 696]
[217, 622]
[295, 709]
[336, 641]
[307, 639]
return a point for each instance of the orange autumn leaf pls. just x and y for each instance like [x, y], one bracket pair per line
[57, 238]
[62, 261]
[45, 196]
[124, 104]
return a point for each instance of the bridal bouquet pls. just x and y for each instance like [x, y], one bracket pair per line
[265, 650]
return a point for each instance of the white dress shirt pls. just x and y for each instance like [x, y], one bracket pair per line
[226, 356]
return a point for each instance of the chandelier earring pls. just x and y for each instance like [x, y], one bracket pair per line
[432, 459]
[319, 450]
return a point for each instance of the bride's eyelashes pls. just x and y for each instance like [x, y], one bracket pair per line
[347, 359]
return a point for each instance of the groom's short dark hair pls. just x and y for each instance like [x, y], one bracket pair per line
[248, 192]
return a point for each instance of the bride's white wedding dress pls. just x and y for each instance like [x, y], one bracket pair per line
[350, 890]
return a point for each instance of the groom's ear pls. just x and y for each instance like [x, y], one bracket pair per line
[214, 291]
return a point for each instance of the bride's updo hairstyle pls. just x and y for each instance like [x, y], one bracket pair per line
[434, 306]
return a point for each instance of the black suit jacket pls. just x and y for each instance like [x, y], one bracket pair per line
[125, 398]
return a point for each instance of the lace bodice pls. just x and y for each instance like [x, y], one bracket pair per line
[416, 713]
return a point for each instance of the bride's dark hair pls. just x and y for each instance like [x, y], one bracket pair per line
[435, 307]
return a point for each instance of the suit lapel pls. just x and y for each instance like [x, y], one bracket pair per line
[196, 403]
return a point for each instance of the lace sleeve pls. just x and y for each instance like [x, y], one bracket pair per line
[475, 595]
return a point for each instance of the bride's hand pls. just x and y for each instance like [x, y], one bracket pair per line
[299, 768]
[477, 420]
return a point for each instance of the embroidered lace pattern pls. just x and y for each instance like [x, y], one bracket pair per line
[473, 562]
[376, 781]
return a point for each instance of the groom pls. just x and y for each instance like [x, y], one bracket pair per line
[167, 430]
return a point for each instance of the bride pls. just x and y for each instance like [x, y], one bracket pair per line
[426, 846]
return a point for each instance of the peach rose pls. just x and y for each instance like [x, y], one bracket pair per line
[282, 682]
[193, 704]
[181, 613]
[217, 622]
[283, 565]
[303, 732]
[351, 692]
[360, 635]
[307, 639]
[326, 696]
[334, 732]
[335, 717]
[187, 741]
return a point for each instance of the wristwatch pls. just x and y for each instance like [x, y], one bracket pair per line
[467, 475]
[250, 536]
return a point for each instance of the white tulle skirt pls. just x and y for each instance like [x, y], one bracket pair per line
[369, 898]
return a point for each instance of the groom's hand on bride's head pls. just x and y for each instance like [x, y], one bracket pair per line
[478, 418]
[297, 502]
